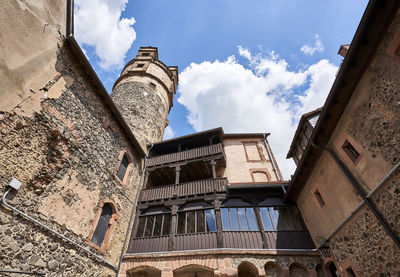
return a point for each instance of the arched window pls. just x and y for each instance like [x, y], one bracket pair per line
[124, 167]
[103, 226]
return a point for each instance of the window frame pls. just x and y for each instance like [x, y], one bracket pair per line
[124, 153]
[292, 217]
[344, 153]
[238, 219]
[146, 216]
[258, 147]
[185, 212]
[110, 229]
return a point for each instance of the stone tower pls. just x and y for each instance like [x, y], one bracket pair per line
[144, 93]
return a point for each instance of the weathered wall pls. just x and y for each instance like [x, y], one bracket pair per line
[221, 262]
[238, 168]
[29, 33]
[142, 109]
[65, 159]
[371, 122]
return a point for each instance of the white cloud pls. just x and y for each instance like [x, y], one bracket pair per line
[311, 49]
[98, 23]
[260, 98]
[168, 133]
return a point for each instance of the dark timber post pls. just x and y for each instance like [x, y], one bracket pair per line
[177, 174]
[261, 227]
[213, 163]
[174, 215]
[218, 220]
[146, 178]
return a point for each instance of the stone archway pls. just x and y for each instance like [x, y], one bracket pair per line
[144, 271]
[298, 270]
[273, 270]
[193, 271]
[247, 269]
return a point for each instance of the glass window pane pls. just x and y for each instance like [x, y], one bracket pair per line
[285, 221]
[234, 219]
[210, 218]
[190, 218]
[149, 226]
[252, 219]
[181, 223]
[266, 219]
[244, 226]
[226, 226]
[274, 213]
[140, 229]
[200, 222]
[122, 168]
[166, 225]
[157, 225]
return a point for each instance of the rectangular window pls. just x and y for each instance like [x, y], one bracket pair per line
[140, 65]
[122, 168]
[319, 198]
[199, 221]
[281, 219]
[351, 151]
[145, 54]
[210, 220]
[239, 219]
[154, 226]
[252, 151]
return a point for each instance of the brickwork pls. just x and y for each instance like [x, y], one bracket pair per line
[224, 263]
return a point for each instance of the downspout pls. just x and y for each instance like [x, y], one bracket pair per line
[272, 159]
[365, 197]
[141, 184]
[4, 202]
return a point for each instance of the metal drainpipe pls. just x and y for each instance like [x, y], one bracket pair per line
[362, 202]
[4, 202]
[270, 158]
[133, 211]
[362, 193]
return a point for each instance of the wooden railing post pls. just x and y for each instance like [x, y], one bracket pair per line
[174, 217]
[218, 221]
[213, 163]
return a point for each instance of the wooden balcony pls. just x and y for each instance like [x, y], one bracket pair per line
[231, 239]
[184, 189]
[186, 155]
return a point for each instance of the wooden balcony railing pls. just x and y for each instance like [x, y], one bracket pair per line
[231, 239]
[186, 155]
[184, 189]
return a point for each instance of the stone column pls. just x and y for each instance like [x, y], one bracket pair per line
[261, 227]
[177, 174]
[218, 221]
[174, 217]
[213, 163]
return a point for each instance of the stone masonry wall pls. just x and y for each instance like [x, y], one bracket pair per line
[142, 109]
[65, 157]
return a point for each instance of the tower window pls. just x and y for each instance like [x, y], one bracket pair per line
[123, 168]
[145, 54]
[319, 198]
[140, 65]
[152, 85]
[351, 151]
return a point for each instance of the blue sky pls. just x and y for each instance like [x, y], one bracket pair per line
[250, 66]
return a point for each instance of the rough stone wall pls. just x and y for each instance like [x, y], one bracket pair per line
[365, 243]
[65, 160]
[142, 109]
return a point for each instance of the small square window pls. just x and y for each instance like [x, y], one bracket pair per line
[351, 151]
[152, 85]
[140, 65]
[319, 198]
[145, 54]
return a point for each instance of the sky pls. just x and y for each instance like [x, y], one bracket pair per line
[251, 66]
